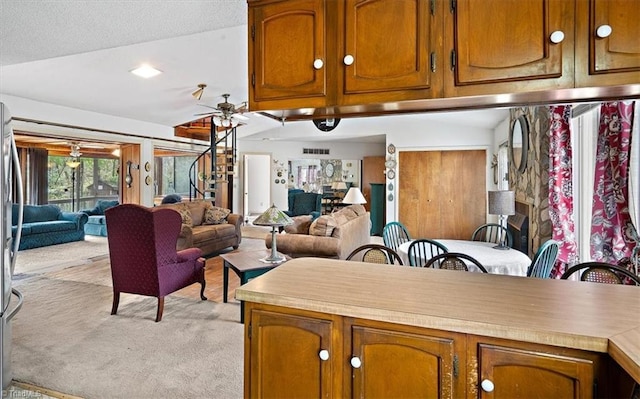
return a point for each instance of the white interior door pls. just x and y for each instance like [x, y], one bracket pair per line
[257, 187]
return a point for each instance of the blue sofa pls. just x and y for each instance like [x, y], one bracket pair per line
[44, 225]
[97, 224]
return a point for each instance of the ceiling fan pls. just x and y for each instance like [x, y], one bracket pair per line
[226, 114]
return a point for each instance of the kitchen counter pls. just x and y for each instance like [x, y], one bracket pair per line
[571, 314]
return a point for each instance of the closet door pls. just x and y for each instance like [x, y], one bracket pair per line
[442, 194]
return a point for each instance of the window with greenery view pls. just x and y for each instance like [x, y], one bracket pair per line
[95, 178]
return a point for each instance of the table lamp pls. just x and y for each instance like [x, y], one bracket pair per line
[337, 187]
[502, 203]
[354, 196]
[273, 217]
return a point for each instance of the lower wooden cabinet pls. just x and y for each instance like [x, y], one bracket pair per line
[390, 361]
[293, 353]
[505, 369]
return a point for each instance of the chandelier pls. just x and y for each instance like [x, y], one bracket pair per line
[75, 153]
[75, 150]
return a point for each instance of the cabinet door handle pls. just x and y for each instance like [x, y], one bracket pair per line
[324, 354]
[557, 37]
[348, 59]
[603, 31]
[487, 385]
[318, 63]
[356, 362]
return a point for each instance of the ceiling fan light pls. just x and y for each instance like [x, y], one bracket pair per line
[217, 121]
[226, 122]
[234, 122]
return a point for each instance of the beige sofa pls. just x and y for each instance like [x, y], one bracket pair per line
[207, 227]
[329, 236]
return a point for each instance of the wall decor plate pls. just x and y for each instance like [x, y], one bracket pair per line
[390, 164]
[391, 149]
[390, 186]
[391, 174]
[147, 166]
[147, 180]
[390, 197]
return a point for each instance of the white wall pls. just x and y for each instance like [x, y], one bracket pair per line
[285, 150]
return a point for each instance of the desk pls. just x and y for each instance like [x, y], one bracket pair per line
[496, 261]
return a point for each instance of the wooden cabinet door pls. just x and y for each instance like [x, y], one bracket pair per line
[610, 60]
[522, 373]
[398, 364]
[285, 40]
[390, 44]
[442, 193]
[504, 46]
[284, 356]
[372, 172]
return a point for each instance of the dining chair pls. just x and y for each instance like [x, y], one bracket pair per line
[544, 259]
[454, 261]
[394, 234]
[600, 272]
[492, 232]
[423, 249]
[375, 253]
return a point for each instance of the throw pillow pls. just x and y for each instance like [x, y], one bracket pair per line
[300, 225]
[215, 214]
[323, 226]
[185, 214]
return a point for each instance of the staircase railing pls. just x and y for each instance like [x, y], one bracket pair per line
[223, 154]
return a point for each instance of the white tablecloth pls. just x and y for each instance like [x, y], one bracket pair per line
[496, 261]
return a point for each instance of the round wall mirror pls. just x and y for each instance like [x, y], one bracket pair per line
[519, 143]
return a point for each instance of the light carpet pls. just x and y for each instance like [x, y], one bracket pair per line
[65, 339]
[55, 257]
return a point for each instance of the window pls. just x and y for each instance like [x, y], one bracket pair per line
[173, 174]
[80, 187]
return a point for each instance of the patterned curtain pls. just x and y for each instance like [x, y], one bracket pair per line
[612, 232]
[561, 188]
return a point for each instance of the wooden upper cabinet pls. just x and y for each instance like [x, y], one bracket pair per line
[386, 51]
[287, 54]
[318, 53]
[607, 42]
[506, 46]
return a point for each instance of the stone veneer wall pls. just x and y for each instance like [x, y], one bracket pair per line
[532, 186]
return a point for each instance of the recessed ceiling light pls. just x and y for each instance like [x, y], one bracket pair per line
[146, 71]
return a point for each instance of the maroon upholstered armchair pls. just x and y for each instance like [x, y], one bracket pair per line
[144, 260]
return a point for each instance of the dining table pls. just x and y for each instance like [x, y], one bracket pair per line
[497, 261]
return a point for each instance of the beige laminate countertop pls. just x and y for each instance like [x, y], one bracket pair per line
[572, 314]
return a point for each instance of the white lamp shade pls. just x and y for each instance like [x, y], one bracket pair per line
[502, 202]
[354, 196]
[339, 185]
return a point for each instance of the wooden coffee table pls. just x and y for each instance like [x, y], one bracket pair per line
[246, 265]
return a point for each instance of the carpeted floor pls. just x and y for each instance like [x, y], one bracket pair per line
[65, 340]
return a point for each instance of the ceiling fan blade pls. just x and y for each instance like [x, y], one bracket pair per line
[240, 116]
[205, 114]
[208, 106]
